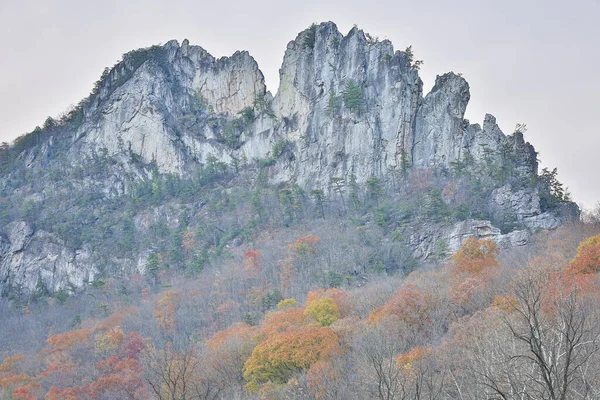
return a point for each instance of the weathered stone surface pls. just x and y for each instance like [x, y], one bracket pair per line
[19, 234]
[523, 203]
[142, 115]
[439, 123]
[425, 238]
[330, 139]
[34, 255]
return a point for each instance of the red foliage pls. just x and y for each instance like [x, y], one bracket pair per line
[120, 378]
[134, 344]
[252, 264]
[27, 392]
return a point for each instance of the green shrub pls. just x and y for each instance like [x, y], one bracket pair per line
[353, 97]
[310, 37]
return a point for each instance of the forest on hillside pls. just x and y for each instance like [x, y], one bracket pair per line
[272, 322]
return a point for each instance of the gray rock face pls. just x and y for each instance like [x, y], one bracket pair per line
[30, 256]
[390, 123]
[439, 124]
[524, 204]
[425, 238]
[347, 106]
[334, 138]
[137, 117]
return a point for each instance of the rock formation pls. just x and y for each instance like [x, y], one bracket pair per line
[347, 107]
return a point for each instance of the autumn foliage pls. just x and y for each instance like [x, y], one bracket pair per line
[473, 266]
[409, 306]
[165, 310]
[471, 325]
[476, 257]
[306, 245]
[278, 357]
[587, 260]
[252, 264]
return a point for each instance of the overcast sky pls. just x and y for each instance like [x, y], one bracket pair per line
[533, 62]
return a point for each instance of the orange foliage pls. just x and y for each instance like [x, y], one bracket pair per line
[306, 245]
[422, 179]
[53, 394]
[410, 306]
[119, 379]
[449, 192]
[117, 318]
[60, 346]
[320, 377]
[476, 256]
[286, 272]
[462, 291]
[281, 355]
[505, 303]
[75, 393]
[189, 241]
[145, 295]
[587, 260]
[473, 266]
[225, 308]
[291, 319]
[230, 348]
[9, 372]
[410, 362]
[239, 332]
[165, 310]
[65, 341]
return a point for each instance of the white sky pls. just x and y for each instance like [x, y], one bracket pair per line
[529, 61]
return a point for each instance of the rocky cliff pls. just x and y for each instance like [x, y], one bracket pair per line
[348, 107]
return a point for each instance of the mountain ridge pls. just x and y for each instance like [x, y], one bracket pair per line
[349, 111]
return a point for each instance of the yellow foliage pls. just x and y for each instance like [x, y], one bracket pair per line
[281, 355]
[339, 297]
[324, 311]
[165, 310]
[109, 341]
[286, 303]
